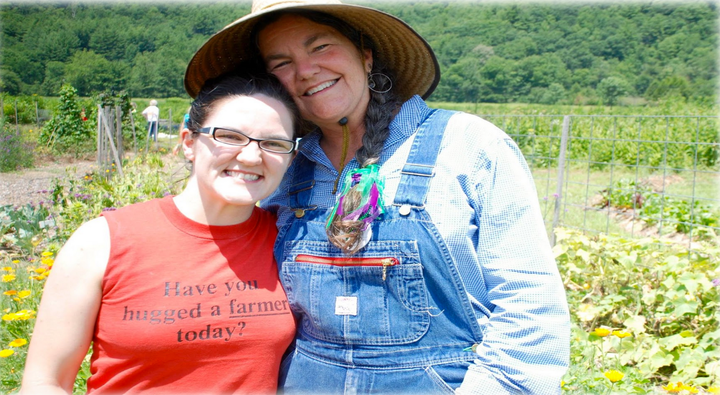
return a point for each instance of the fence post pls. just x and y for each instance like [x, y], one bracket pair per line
[37, 114]
[100, 152]
[560, 175]
[132, 126]
[110, 138]
[118, 132]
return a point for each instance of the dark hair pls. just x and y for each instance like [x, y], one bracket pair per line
[234, 85]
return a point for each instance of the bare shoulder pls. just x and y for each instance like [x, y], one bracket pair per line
[88, 249]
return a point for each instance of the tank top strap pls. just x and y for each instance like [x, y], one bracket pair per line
[420, 165]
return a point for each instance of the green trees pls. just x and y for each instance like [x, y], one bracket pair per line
[488, 52]
[90, 73]
[610, 89]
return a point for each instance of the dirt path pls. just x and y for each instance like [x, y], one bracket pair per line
[26, 186]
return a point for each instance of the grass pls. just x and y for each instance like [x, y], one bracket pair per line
[582, 190]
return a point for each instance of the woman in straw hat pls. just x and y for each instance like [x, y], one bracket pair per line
[411, 244]
[174, 291]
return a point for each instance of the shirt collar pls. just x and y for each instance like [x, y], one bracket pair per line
[405, 123]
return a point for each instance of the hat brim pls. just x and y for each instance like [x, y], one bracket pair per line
[398, 47]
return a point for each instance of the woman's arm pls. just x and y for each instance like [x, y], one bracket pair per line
[67, 312]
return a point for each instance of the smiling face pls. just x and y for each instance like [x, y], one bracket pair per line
[227, 175]
[324, 72]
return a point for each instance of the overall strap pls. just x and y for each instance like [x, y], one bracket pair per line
[303, 181]
[420, 166]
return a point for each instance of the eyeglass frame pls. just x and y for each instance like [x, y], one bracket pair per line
[211, 131]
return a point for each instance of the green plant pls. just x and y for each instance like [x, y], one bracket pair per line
[20, 225]
[676, 214]
[30, 237]
[79, 200]
[25, 106]
[642, 307]
[66, 132]
[15, 152]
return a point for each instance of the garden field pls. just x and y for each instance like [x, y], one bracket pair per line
[642, 280]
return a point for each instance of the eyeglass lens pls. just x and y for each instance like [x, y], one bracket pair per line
[233, 137]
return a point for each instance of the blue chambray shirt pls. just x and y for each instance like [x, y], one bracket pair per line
[483, 201]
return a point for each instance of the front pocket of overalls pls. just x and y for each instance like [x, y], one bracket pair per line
[376, 297]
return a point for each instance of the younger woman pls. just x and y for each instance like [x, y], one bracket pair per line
[180, 294]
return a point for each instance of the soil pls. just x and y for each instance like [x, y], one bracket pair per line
[29, 185]
[26, 186]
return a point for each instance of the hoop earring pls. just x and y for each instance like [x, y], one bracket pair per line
[372, 84]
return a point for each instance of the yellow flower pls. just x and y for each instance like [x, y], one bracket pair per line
[680, 387]
[40, 270]
[562, 384]
[10, 292]
[9, 317]
[7, 269]
[614, 376]
[602, 332]
[47, 253]
[24, 315]
[24, 293]
[18, 343]
[621, 334]
[6, 278]
[6, 353]
[714, 390]
[47, 261]
[16, 261]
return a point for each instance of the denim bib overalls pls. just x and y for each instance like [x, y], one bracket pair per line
[393, 318]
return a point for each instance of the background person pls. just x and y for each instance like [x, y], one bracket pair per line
[152, 114]
[411, 243]
[180, 294]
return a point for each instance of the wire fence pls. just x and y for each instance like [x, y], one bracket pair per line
[631, 175]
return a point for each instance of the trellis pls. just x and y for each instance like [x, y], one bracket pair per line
[109, 139]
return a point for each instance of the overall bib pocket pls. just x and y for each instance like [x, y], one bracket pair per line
[375, 297]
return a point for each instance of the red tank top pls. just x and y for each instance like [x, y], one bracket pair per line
[189, 308]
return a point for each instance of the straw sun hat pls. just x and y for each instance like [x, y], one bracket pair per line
[398, 46]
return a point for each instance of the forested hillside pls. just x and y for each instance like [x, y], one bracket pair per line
[489, 52]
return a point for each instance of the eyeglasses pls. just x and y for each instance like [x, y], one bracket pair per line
[237, 138]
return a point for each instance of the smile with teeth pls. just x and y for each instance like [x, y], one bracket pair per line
[242, 176]
[320, 87]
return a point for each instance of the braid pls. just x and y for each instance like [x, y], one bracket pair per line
[352, 235]
[380, 112]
